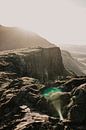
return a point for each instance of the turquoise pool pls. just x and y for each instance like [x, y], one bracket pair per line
[47, 91]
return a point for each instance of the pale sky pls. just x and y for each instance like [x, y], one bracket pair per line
[59, 21]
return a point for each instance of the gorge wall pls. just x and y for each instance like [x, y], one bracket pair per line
[42, 63]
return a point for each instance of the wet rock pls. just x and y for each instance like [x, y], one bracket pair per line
[78, 104]
[73, 83]
[57, 102]
[77, 113]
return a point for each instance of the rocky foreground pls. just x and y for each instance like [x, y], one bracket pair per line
[23, 107]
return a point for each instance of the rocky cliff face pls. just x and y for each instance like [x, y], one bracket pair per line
[43, 63]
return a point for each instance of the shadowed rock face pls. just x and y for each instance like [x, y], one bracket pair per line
[44, 63]
[73, 83]
[77, 109]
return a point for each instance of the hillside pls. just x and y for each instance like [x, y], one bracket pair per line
[78, 52]
[14, 38]
[72, 64]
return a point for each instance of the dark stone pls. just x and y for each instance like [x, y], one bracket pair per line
[77, 106]
[73, 83]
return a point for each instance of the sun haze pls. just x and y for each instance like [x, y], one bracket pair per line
[57, 20]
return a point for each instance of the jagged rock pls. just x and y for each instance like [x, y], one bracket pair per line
[23, 107]
[73, 83]
[19, 105]
[16, 98]
[77, 113]
[78, 104]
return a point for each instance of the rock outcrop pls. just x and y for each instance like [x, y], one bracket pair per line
[18, 103]
[43, 63]
[23, 107]
[73, 83]
[77, 106]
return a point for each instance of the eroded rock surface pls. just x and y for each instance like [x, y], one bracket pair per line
[77, 111]
[18, 103]
[44, 63]
[22, 106]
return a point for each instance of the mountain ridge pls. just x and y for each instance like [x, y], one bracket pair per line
[15, 38]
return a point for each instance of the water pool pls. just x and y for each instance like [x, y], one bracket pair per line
[47, 91]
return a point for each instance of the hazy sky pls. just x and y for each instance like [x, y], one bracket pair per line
[57, 20]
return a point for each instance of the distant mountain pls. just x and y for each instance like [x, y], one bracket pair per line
[14, 38]
[72, 64]
[73, 48]
[78, 52]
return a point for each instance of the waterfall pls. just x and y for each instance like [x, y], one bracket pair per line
[55, 99]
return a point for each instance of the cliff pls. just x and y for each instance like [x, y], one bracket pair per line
[43, 63]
